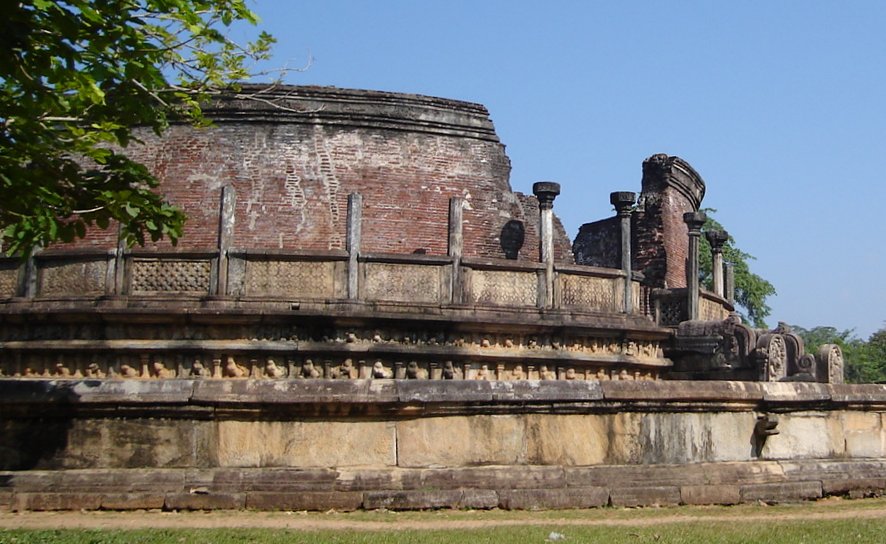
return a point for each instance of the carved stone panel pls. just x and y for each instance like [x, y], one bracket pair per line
[588, 293]
[401, 282]
[77, 278]
[290, 279]
[709, 310]
[175, 276]
[8, 281]
[503, 288]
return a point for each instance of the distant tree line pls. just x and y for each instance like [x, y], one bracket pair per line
[864, 360]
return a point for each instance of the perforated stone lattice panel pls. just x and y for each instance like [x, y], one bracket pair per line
[176, 276]
[8, 281]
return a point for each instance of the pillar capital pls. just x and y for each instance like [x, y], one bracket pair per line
[623, 201]
[546, 192]
[717, 238]
[695, 221]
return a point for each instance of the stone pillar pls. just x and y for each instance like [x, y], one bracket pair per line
[546, 192]
[730, 283]
[456, 245]
[717, 238]
[355, 219]
[694, 220]
[225, 237]
[624, 203]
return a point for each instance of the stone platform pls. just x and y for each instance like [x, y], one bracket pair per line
[405, 444]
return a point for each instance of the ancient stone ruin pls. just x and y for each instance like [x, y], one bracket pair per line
[363, 314]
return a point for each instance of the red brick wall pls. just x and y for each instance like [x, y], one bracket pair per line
[292, 181]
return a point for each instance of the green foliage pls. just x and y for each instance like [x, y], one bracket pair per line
[864, 361]
[76, 77]
[751, 291]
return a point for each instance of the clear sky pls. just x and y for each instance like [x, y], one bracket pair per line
[779, 105]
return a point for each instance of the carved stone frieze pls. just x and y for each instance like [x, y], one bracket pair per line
[8, 281]
[77, 278]
[402, 282]
[289, 279]
[590, 293]
[503, 288]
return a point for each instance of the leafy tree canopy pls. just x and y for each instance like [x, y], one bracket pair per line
[864, 361]
[76, 77]
[751, 291]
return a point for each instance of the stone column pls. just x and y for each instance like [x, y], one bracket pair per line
[694, 220]
[546, 192]
[225, 236]
[355, 220]
[456, 245]
[717, 238]
[624, 202]
[730, 283]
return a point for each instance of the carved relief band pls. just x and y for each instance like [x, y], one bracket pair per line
[8, 279]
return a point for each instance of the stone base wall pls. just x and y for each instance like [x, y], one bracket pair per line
[323, 444]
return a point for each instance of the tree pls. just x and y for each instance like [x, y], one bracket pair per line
[751, 291]
[864, 361]
[76, 77]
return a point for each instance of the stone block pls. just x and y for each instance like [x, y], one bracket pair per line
[494, 477]
[644, 496]
[710, 494]
[567, 440]
[294, 391]
[805, 435]
[572, 497]
[430, 391]
[288, 479]
[412, 500]
[864, 434]
[367, 479]
[685, 391]
[132, 501]
[6, 499]
[56, 501]
[844, 486]
[786, 392]
[305, 500]
[866, 393]
[833, 468]
[132, 391]
[204, 501]
[546, 390]
[460, 441]
[479, 499]
[306, 443]
[781, 492]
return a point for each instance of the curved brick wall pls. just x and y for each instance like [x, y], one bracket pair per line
[293, 163]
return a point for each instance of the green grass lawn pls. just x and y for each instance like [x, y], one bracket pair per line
[738, 524]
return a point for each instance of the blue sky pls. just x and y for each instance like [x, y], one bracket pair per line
[778, 105]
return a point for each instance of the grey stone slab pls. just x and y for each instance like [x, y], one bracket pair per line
[789, 392]
[309, 500]
[834, 468]
[412, 500]
[204, 501]
[682, 391]
[573, 497]
[56, 501]
[546, 390]
[868, 393]
[293, 391]
[494, 477]
[710, 494]
[432, 391]
[644, 496]
[844, 486]
[368, 479]
[132, 501]
[781, 492]
[289, 480]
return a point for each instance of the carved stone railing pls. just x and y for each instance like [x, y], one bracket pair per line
[670, 306]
